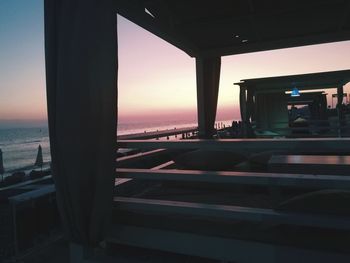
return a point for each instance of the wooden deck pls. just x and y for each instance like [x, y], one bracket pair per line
[198, 223]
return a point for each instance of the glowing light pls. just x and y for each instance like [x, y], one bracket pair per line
[295, 93]
[149, 13]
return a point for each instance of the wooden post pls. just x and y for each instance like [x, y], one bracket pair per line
[243, 108]
[340, 96]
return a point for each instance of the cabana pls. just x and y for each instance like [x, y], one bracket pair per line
[265, 101]
[81, 77]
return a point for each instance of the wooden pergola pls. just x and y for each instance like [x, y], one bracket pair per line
[264, 100]
[207, 30]
[81, 77]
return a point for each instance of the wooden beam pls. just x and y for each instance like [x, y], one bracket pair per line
[28, 196]
[135, 12]
[276, 44]
[247, 178]
[313, 164]
[163, 165]
[31, 181]
[243, 251]
[312, 145]
[228, 212]
[125, 160]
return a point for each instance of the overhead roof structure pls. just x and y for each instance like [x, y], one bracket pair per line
[227, 27]
[271, 92]
[329, 79]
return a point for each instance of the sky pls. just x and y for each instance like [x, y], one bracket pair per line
[156, 80]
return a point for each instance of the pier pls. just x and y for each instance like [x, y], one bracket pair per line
[158, 134]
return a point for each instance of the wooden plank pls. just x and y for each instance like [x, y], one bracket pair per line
[152, 156]
[120, 181]
[232, 250]
[163, 165]
[335, 160]
[315, 164]
[314, 145]
[247, 178]
[49, 189]
[227, 212]
[140, 155]
[26, 182]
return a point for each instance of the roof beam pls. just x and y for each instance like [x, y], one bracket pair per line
[135, 12]
[344, 17]
[278, 44]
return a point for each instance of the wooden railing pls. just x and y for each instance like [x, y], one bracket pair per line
[334, 145]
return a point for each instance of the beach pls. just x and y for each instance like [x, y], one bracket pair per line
[20, 145]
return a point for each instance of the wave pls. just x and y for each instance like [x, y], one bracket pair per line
[28, 167]
[32, 141]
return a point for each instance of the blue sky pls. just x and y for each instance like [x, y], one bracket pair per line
[22, 89]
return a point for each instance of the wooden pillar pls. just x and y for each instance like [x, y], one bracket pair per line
[243, 108]
[250, 104]
[208, 76]
[340, 97]
[243, 102]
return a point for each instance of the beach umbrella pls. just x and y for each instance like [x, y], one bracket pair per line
[39, 157]
[2, 169]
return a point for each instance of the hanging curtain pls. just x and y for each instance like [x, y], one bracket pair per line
[81, 77]
[208, 78]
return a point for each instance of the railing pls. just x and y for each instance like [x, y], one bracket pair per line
[312, 128]
[334, 145]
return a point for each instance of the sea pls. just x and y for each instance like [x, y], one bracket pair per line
[20, 145]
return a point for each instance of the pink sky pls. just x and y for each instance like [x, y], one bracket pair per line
[155, 78]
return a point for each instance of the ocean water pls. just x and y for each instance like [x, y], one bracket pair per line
[140, 127]
[20, 145]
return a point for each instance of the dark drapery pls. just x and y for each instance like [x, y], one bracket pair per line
[208, 78]
[81, 72]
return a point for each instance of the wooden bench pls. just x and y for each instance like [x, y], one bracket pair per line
[218, 247]
[137, 220]
[313, 164]
[248, 178]
[228, 212]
